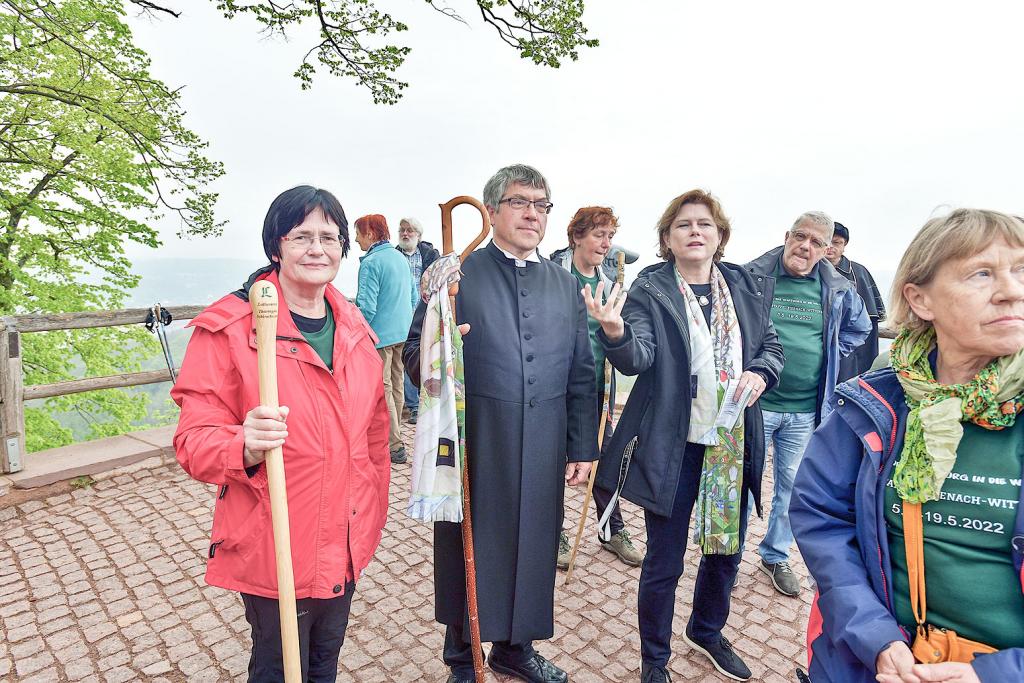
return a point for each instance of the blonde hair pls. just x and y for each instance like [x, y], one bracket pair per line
[958, 235]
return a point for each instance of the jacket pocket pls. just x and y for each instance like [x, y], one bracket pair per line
[238, 519]
[646, 417]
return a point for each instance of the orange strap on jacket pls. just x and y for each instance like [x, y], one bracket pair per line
[913, 538]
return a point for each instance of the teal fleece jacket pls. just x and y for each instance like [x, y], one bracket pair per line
[386, 294]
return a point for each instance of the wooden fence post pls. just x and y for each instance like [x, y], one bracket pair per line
[12, 407]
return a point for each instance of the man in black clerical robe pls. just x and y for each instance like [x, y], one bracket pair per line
[531, 425]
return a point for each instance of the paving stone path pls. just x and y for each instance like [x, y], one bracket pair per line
[106, 584]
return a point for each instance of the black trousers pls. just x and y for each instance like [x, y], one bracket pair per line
[663, 566]
[458, 652]
[322, 626]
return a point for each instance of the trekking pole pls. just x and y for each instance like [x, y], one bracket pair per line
[263, 299]
[467, 512]
[605, 423]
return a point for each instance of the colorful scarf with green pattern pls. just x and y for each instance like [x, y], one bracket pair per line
[716, 356]
[991, 400]
[438, 454]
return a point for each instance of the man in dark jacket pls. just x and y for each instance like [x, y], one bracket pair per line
[420, 254]
[858, 362]
[531, 426]
[819, 318]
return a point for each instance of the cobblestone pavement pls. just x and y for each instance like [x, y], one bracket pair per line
[106, 584]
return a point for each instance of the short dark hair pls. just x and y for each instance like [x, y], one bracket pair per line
[842, 231]
[291, 207]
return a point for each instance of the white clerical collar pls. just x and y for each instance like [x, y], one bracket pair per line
[532, 258]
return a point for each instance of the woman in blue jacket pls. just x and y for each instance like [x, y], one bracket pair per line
[692, 328]
[386, 297]
[930, 445]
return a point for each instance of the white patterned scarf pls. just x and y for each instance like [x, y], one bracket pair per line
[716, 356]
[437, 460]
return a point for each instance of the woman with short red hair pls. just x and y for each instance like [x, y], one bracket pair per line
[386, 297]
[590, 234]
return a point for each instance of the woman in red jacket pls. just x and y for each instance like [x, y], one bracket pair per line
[332, 424]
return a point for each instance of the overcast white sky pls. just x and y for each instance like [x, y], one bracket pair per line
[879, 113]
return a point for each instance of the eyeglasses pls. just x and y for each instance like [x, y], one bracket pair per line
[803, 237]
[305, 241]
[520, 204]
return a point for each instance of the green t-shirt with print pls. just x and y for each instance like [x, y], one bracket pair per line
[593, 326]
[972, 586]
[799, 322]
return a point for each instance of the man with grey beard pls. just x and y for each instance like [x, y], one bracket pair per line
[420, 254]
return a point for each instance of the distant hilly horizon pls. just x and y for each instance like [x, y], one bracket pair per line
[178, 281]
[182, 281]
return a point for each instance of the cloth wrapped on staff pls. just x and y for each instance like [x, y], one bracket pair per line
[440, 431]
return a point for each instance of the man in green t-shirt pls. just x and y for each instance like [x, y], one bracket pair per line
[590, 239]
[819, 318]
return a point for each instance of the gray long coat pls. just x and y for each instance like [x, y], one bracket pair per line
[530, 408]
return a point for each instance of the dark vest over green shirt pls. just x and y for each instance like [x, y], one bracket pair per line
[593, 326]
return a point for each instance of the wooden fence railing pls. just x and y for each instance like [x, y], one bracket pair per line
[13, 393]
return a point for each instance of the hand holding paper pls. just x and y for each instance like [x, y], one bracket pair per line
[730, 410]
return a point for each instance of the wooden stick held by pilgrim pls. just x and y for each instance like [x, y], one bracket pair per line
[263, 299]
[605, 423]
[467, 513]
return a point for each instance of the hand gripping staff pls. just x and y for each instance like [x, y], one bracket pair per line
[263, 298]
[606, 419]
[467, 517]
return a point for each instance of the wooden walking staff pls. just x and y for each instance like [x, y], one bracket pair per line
[605, 422]
[263, 298]
[467, 513]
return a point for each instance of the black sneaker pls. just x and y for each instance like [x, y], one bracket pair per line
[398, 456]
[783, 578]
[654, 674]
[722, 657]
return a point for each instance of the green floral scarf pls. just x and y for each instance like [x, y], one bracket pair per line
[991, 400]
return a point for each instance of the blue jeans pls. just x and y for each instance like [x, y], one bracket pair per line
[412, 394]
[788, 433]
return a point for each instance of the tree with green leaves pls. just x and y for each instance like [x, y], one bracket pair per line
[92, 149]
[353, 34]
